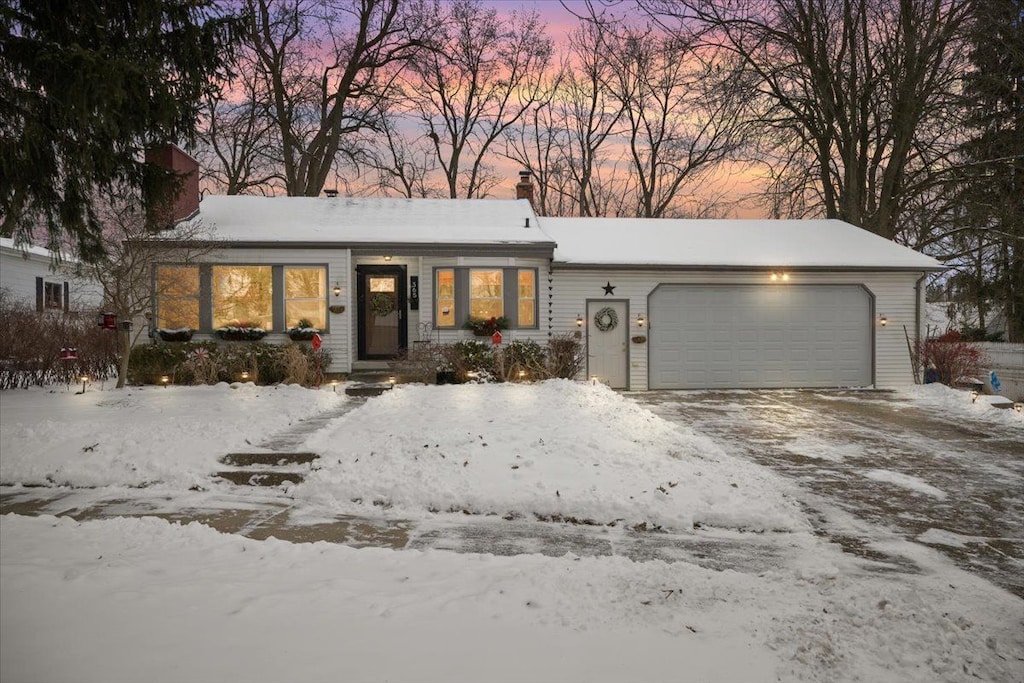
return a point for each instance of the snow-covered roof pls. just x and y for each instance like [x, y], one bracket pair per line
[727, 243]
[8, 244]
[350, 221]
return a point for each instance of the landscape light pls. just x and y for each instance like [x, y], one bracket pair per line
[164, 379]
[974, 397]
[245, 374]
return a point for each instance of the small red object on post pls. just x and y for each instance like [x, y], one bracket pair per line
[108, 321]
[317, 341]
[69, 353]
[496, 337]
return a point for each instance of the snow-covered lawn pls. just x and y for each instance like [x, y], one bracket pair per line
[144, 599]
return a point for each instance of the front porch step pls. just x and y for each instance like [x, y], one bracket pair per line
[269, 478]
[272, 459]
[362, 389]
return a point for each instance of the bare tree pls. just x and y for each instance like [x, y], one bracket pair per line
[855, 100]
[322, 67]
[485, 75]
[125, 272]
[236, 144]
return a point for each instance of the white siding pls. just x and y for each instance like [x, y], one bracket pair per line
[894, 297]
[18, 275]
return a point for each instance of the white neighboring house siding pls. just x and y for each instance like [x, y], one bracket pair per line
[19, 270]
[895, 296]
[337, 337]
[449, 335]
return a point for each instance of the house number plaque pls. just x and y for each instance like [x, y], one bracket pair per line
[414, 292]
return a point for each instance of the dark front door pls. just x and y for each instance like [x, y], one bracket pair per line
[382, 327]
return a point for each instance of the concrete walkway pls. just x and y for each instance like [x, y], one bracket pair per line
[866, 465]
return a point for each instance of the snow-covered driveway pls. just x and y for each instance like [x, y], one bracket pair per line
[924, 465]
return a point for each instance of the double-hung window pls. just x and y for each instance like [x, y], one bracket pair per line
[485, 294]
[305, 296]
[177, 291]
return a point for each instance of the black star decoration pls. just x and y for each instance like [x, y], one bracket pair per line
[608, 288]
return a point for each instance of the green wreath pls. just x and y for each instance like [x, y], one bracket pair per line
[382, 304]
[606, 319]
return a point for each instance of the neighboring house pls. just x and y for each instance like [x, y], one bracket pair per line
[28, 276]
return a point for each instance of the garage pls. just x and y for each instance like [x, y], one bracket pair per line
[759, 336]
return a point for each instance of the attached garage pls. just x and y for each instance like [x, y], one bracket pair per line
[737, 304]
[759, 336]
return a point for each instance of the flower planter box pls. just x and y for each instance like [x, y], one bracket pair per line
[182, 335]
[301, 333]
[240, 333]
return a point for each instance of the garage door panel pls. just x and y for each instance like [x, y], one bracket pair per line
[741, 336]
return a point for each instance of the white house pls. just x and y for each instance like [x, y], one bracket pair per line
[28, 276]
[659, 304]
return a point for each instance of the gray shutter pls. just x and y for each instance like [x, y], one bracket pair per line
[39, 295]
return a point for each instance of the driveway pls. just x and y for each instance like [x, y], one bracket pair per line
[870, 467]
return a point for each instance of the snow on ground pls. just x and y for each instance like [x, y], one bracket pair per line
[558, 449]
[906, 481]
[957, 404]
[141, 435]
[144, 599]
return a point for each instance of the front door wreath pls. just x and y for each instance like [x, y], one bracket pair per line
[606, 319]
[382, 304]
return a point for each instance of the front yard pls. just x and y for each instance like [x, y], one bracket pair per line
[132, 598]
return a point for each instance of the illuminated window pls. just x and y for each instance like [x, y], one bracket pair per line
[485, 294]
[243, 296]
[527, 298]
[177, 292]
[445, 298]
[305, 296]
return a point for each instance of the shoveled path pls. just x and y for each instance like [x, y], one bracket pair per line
[868, 464]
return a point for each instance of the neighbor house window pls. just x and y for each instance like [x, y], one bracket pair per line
[243, 296]
[305, 296]
[485, 294]
[53, 295]
[177, 292]
[445, 298]
[527, 298]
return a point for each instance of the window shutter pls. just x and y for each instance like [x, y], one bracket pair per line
[39, 295]
[67, 297]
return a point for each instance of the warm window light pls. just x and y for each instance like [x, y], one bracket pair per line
[579, 320]
[337, 289]
[640, 320]
[883, 321]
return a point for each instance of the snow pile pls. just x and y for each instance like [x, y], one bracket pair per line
[142, 599]
[957, 403]
[906, 481]
[559, 450]
[141, 435]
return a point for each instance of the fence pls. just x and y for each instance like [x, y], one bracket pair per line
[1008, 364]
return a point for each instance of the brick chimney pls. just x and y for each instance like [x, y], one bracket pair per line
[524, 188]
[165, 212]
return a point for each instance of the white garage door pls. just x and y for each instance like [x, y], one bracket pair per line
[744, 336]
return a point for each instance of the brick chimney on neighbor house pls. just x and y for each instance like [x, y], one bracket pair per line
[524, 188]
[183, 201]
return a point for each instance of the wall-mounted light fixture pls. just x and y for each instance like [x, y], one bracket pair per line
[883, 321]
[640, 320]
[336, 289]
[387, 258]
[579, 320]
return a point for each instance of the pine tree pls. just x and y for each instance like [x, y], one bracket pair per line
[85, 85]
[993, 183]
